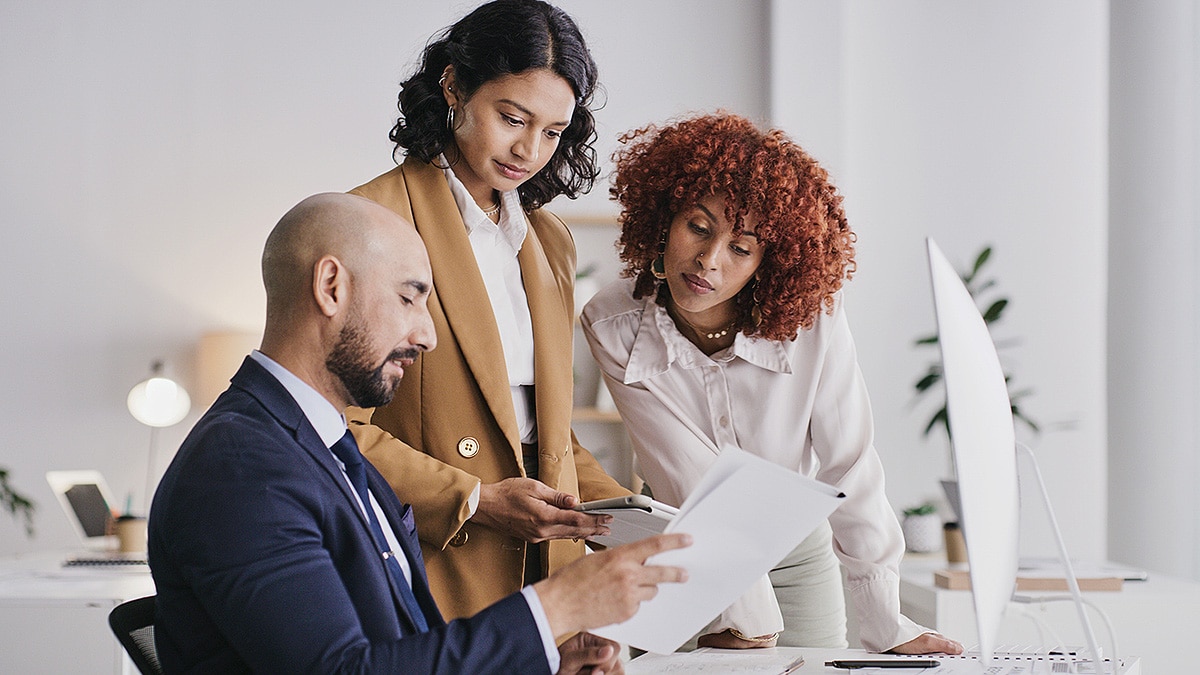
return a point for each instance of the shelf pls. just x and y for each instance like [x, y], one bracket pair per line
[589, 220]
[588, 414]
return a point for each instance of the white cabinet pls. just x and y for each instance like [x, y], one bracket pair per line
[55, 619]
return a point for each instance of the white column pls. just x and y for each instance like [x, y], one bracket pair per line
[1153, 301]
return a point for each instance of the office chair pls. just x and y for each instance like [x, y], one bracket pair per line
[133, 624]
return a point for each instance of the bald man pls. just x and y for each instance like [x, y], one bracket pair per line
[275, 548]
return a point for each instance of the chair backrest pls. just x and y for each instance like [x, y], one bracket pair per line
[133, 624]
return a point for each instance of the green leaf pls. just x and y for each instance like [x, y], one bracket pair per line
[922, 510]
[940, 417]
[981, 260]
[930, 340]
[931, 378]
[978, 290]
[995, 310]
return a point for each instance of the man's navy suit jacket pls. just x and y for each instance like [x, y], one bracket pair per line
[263, 560]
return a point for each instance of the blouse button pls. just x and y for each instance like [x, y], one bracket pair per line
[724, 421]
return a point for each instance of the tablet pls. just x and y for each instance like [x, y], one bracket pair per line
[634, 517]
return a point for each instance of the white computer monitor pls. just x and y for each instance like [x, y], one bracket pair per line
[984, 446]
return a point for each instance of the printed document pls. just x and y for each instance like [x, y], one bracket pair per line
[744, 517]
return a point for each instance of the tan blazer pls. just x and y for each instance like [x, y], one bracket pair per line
[456, 398]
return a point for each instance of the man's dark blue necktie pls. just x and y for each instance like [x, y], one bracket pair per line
[347, 451]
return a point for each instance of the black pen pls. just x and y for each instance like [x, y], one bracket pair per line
[854, 664]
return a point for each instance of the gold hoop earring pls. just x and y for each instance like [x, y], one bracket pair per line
[755, 311]
[658, 268]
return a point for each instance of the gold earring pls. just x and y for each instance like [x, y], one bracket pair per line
[755, 312]
[658, 269]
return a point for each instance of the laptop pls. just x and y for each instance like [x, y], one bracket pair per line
[87, 502]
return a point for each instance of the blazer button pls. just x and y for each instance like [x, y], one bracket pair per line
[468, 447]
[459, 538]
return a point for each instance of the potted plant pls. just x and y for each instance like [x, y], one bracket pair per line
[982, 289]
[20, 506]
[922, 528]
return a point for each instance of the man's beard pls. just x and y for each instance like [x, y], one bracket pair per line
[350, 361]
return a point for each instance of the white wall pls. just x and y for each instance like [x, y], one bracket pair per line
[972, 123]
[149, 148]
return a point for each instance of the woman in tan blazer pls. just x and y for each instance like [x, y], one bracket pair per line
[478, 438]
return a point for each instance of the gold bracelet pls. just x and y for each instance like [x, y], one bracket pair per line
[762, 638]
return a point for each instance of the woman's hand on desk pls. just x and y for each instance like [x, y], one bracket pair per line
[928, 643]
[533, 511]
[727, 640]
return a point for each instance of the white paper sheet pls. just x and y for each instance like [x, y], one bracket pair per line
[744, 517]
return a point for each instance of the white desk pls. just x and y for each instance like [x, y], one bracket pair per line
[55, 619]
[773, 661]
[1154, 619]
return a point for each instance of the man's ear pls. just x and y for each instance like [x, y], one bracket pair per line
[331, 285]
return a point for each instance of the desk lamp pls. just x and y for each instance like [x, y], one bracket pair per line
[157, 402]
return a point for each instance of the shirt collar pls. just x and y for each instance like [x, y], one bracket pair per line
[326, 419]
[512, 226]
[659, 344]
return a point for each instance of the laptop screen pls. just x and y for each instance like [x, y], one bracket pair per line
[90, 508]
[84, 497]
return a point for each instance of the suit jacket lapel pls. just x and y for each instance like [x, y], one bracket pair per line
[460, 290]
[552, 367]
[275, 398]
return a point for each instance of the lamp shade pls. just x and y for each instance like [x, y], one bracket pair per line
[158, 401]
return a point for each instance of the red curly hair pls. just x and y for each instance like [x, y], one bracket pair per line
[808, 246]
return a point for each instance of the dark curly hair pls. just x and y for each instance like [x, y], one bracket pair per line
[808, 245]
[505, 37]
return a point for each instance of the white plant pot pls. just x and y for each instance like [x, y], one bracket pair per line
[923, 533]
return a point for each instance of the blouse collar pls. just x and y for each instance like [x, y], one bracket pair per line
[659, 344]
[512, 225]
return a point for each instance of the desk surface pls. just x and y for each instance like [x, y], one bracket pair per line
[775, 662]
[41, 578]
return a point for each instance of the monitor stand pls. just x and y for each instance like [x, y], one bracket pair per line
[1023, 451]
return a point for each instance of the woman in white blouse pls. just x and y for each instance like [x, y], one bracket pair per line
[730, 330]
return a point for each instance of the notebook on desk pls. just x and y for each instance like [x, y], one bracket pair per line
[85, 498]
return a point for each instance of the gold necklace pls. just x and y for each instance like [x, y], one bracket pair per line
[717, 335]
[714, 335]
[489, 212]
